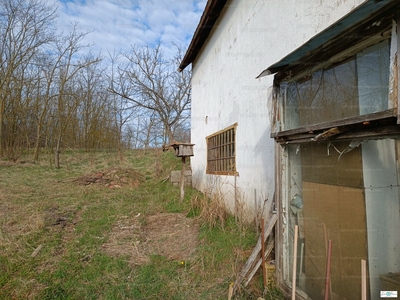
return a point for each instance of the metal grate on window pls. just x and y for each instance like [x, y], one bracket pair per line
[221, 152]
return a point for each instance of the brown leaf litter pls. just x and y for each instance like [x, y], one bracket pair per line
[171, 235]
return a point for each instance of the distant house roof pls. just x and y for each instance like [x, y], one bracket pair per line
[210, 15]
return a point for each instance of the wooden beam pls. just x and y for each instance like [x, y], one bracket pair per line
[363, 279]
[264, 271]
[256, 251]
[268, 250]
[294, 270]
[370, 133]
[362, 119]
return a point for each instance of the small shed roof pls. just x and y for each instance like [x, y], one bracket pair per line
[209, 17]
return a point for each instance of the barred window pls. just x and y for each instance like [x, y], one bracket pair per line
[221, 152]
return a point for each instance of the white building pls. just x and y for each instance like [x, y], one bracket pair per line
[232, 44]
[332, 167]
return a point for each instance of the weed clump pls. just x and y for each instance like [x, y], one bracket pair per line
[210, 209]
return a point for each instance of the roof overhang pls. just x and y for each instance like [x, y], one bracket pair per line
[209, 17]
[346, 32]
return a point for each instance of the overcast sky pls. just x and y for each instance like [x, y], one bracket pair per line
[117, 24]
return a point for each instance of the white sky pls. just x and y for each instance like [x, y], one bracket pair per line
[117, 24]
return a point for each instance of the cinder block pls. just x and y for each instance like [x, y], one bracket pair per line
[175, 177]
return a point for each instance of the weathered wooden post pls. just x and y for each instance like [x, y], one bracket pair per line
[183, 150]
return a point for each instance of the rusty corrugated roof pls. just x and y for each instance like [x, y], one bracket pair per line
[209, 17]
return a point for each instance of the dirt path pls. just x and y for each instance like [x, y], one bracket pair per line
[168, 234]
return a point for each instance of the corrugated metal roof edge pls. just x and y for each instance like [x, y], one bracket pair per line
[209, 17]
[359, 14]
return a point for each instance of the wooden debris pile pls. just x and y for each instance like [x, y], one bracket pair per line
[256, 259]
[115, 177]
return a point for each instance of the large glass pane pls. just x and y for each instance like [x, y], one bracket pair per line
[353, 87]
[373, 78]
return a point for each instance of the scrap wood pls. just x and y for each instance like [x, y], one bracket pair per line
[294, 273]
[363, 279]
[268, 250]
[328, 133]
[253, 257]
[264, 271]
[328, 271]
[36, 251]
[230, 291]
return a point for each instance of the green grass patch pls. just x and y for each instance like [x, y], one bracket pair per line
[55, 226]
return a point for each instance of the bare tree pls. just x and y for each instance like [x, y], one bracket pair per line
[67, 102]
[151, 81]
[25, 26]
[91, 90]
[122, 111]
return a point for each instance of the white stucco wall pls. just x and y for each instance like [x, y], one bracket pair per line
[248, 37]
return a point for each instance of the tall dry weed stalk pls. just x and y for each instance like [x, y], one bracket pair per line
[212, 206]
[212, 211]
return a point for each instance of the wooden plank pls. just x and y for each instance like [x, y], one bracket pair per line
[268, 249]
[277, 199]
[233, 126]
[363, 279]
[294, 270]
[36, 251]
[371, 132]
[343, 122]
[328, 294]
[255, 253]
[182, 181]
[264, 271]
[230, 291]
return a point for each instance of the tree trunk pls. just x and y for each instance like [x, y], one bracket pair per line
[182, 183]
[37, 144]
[57, 152]
[169, 134]
[2, 108]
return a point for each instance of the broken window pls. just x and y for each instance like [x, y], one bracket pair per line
[221, 152]
[340, 171]
[356, 86]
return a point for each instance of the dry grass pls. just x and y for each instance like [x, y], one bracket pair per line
[60, 239]
[137, 238]
[211, 210]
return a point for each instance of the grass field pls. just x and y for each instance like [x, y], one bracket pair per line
[98, 228]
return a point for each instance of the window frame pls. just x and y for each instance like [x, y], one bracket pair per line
[224, 160]
[383, 124]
